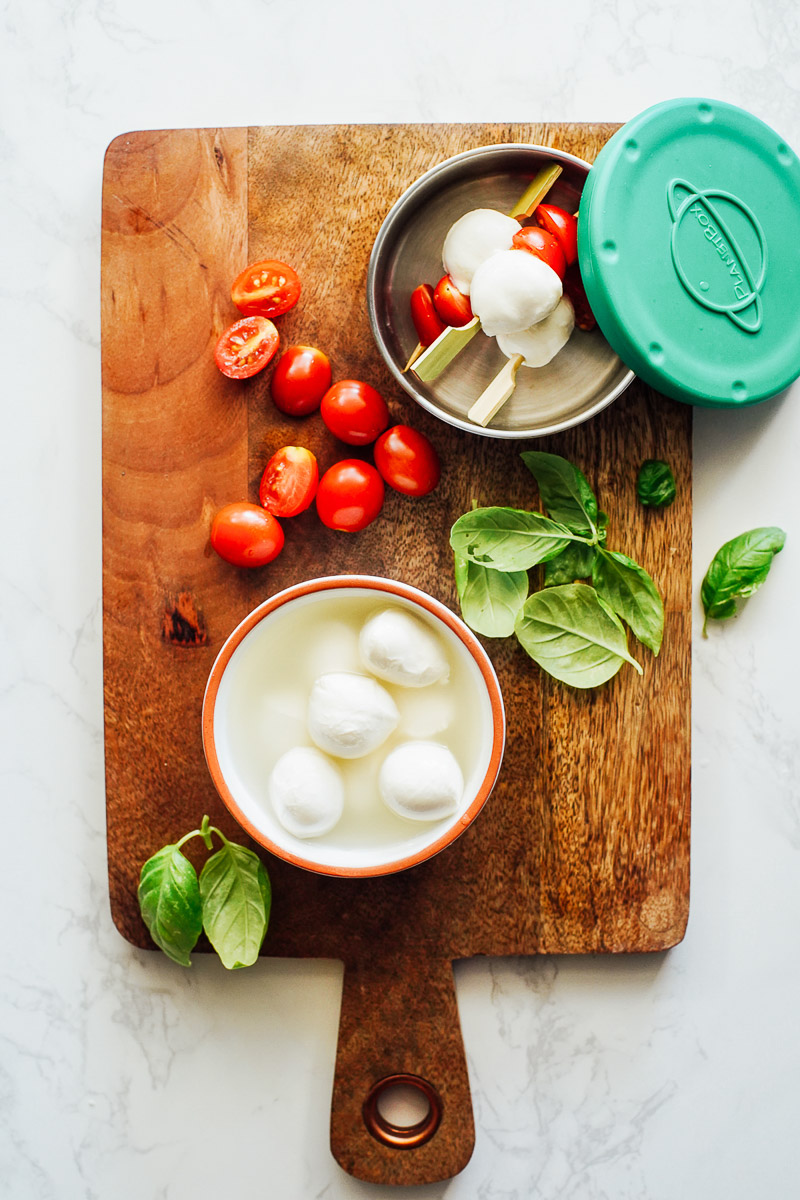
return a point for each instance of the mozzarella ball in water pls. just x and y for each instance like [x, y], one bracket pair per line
[513, 290]
[350, 715]
[542, 342]
[421, 781]
[472, 239]
[306, 792]
[399, 648]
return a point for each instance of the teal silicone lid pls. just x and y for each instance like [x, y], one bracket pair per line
[689, 247]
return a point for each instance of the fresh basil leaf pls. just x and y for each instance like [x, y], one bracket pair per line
[169, 901]
[655, 484]
[235, 891]
[574, 635]
[508, 539]
[632, 594]
[563, 489]
[738, 569]
[573, 563]
[490, 600]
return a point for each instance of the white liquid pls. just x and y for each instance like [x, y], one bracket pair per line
[260, 713]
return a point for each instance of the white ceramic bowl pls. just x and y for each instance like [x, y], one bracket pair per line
[253, 712]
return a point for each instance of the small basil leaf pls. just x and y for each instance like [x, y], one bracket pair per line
[235, 892]
[573, 563]
[508, 539]
[655, 485]
[738, 569]
[169, 901]
[573, 635]
[563, 489]
[632, 594]
[490, 600]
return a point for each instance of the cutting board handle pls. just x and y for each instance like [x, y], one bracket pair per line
[399, 1023]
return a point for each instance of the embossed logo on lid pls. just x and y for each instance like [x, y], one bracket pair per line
[719, 252]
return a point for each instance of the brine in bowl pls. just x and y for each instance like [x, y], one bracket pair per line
[580, 381]
[340, 753]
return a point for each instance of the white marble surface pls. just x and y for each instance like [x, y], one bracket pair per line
[123, 1076]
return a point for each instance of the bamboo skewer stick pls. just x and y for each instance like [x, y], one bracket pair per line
[493, 397]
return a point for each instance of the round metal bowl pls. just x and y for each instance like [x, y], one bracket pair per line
[580, 381]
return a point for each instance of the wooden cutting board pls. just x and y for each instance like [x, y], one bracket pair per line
[584, 846]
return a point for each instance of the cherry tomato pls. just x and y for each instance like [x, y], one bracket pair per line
[289, 482]
[354, 412]
[452, 305]
[266, 289]
[246, 347]
[300, 380]
[563, 226]
[544, 245]
[427, 321]
[574, 290]
[350, 495]
[407, 461]
[246, 535]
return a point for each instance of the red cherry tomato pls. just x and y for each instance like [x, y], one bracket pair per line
[354, 412]
[407, 461]
[289, 482]
[350, 495]
[544, 245]
[246, 347]
[574, 290]
[300, 380]
[266, 289]
[452, 305]
[427, 321]
[563, 226]
[246, 535]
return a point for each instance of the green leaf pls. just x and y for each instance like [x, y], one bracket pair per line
[490, 600]
[573, 563]
[738, 569]
[236, 896]
[573, 635]
[508, 539]
[169, 901]
[563, 489]
[655, 485]
[632, 594]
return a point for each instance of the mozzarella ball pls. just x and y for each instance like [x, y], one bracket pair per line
[306, 792]
[472, 239]
[513, 290]
[399, 648]
[542, 342]
[350, 715]
[421, 781]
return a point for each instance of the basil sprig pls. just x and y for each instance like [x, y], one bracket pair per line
[655, 484]
[737, 570]
[573, 630]
[231, 901]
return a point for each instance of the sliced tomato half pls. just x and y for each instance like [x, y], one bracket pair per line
[266, 289]
[246, 347]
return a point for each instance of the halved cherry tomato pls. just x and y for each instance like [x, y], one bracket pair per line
[300, 380]
[544, 245]
[407, 461]
[266, 289]
[289, 482]
[246, 535]
[574, 290]
[246, 347]
[563, 226]
[354, 412]
[427, 321]
[452, 305]
[350, 495]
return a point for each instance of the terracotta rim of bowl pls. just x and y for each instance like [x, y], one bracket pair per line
[407, 592]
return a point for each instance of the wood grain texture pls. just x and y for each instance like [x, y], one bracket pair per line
[584, 846]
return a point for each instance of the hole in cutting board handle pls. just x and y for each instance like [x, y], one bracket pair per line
[395, 1098]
